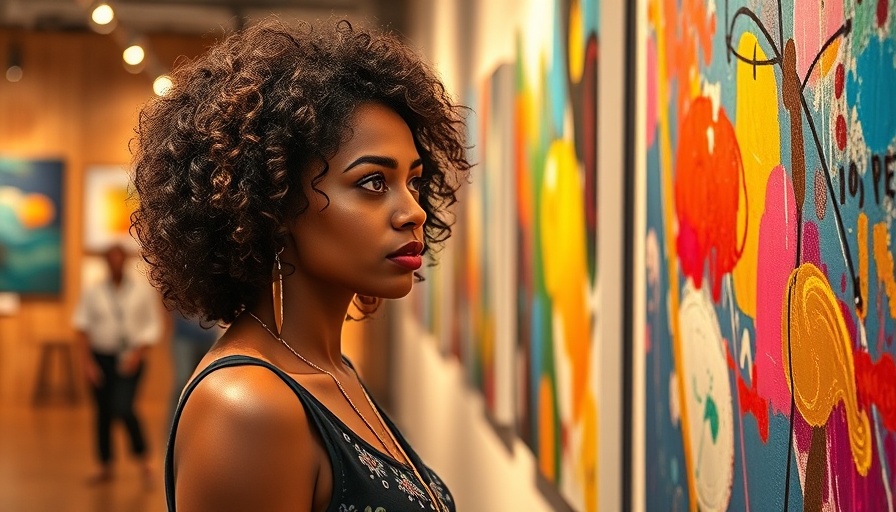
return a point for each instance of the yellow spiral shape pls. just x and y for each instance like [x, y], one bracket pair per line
[823, 369]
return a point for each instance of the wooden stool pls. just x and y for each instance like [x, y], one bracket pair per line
[66, 388]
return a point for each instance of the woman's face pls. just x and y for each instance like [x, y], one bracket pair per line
[368, 239]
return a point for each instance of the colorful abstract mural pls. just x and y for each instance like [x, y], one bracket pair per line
[770, 291]
[30, 226]
[556, 225]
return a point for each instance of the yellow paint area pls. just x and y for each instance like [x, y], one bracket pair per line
[587, 463]
[562, 223]
[862, 233]
[822, 360]
[758, 135]
[829, 57]
[575, 42]
[883, 257]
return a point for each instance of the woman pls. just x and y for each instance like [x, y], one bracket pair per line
[287, 173]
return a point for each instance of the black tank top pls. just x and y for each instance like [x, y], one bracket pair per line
[364, 478]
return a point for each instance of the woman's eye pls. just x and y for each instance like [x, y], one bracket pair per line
[374, 183]
[416, 184]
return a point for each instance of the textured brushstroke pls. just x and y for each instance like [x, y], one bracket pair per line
[709, 400]
[758, 138]
[777, 257]
[813, 24]
[875, 382]
[749, 400]
[708, 181]
[821, 194]
[822, 359]
[870, 90]
[883, 258]
[816, 465]
[862, 238]
[792, 96]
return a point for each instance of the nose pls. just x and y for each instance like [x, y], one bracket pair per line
[408, 213]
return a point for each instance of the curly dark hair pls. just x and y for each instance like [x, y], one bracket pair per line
[218, 160]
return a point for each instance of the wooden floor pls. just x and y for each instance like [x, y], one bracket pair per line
[47, 455]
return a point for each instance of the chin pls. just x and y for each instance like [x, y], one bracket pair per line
[397, 289]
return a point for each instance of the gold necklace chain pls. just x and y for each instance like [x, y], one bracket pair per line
[436, 502]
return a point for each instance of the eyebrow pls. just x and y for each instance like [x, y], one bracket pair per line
[383, 161]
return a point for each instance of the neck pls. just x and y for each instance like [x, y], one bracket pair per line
[313, 316]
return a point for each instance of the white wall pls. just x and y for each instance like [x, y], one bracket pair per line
[441, 416]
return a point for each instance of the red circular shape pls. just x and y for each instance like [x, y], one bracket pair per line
[838, 81]
[841, 132]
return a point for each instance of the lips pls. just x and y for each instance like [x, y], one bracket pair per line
[408, 256]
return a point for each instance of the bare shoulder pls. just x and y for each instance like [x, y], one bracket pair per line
[244, 442]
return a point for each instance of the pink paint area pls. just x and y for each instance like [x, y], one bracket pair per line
[812, 26]
[852, 491]
[651, 91]
[851, 327]
[811, 244]
[776, 259]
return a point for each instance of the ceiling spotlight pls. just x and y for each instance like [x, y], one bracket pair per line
[133, 54]
[14, 70]
[162, 85]
[102, 14]
[14, 73]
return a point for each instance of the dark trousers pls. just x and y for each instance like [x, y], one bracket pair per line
[115, 399]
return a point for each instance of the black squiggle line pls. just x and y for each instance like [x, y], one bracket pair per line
[844, 242]
[844, 30]
[743, 11]
[790, 287]
[781, 24]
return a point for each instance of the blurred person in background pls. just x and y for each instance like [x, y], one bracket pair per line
[287, 174]
[116, 321]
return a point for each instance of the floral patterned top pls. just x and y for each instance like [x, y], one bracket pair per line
[364, 478]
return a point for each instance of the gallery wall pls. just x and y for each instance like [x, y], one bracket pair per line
[75, 104]
[520, 317]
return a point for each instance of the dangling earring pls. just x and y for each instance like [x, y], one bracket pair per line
[278, 294]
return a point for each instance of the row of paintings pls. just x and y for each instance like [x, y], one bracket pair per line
[520, 276]
[764, 309]
[32, 218]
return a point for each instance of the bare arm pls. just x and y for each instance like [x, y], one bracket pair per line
[244, 443]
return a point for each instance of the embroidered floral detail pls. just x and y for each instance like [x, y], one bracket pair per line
[407, 486]
[373, 464]
[438, 488]
[368, 508]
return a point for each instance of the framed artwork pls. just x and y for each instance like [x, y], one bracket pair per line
[555, 132]
[767, 305]
[108, 205]
[31, 211]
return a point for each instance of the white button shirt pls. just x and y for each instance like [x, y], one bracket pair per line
[118, 319]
